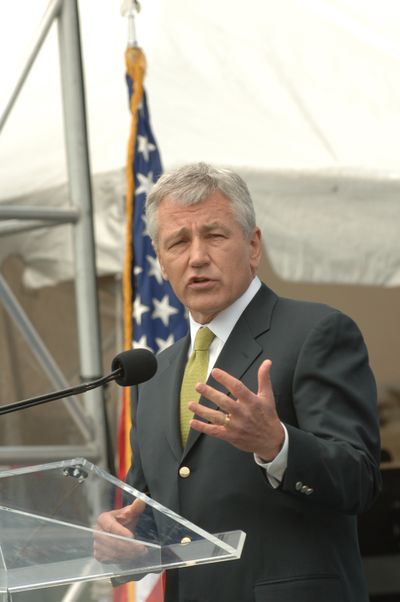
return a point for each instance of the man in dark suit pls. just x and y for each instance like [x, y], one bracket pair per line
[284, 440]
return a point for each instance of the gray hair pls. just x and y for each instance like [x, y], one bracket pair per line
[194, 183]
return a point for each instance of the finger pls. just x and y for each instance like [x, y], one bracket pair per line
[220, 399]
[107, 546]
[131, 514]
[214, 416]
[213, 430]
[234, 385]
[121, 521]
[109, 523]
[264, 380]
[111, 526]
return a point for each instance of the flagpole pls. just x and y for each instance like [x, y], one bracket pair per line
[128, 10]
[135, 67]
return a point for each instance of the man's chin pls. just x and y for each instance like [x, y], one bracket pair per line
[204, 312]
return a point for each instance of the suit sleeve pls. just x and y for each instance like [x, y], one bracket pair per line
[334, 451]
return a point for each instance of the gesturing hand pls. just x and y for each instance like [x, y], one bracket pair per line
[249, 421]
[120, 522]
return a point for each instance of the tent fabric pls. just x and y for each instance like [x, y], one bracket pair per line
[47, 253]
[300, 96]
[327, 227]
[317, 227]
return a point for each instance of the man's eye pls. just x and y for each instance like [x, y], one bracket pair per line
[176, 243]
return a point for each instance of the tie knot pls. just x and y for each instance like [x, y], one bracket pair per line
[204, 338]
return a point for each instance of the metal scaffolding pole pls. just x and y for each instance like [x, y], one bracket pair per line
[24, 218]
[81, 196]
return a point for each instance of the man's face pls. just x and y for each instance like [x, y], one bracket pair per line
[205, 254]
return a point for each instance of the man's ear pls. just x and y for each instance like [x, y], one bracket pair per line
[255, 249]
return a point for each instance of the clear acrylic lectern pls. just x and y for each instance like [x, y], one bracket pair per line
[47, 523]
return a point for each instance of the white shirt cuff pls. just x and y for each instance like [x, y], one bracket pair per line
[276, 469]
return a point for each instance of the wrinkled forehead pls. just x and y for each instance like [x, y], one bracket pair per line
[213, 208]
[195, 197]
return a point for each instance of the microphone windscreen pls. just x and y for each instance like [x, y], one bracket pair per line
[138, 365]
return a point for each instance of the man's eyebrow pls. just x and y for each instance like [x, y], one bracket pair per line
[204, 229]
[214, 226]
[182, 231]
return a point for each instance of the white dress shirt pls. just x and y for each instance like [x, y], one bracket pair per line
[222, 326]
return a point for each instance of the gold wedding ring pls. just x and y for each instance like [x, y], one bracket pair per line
[227, 420]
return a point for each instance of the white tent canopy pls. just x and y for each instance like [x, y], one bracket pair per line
[300, 96]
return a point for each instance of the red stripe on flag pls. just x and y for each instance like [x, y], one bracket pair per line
[157, 593]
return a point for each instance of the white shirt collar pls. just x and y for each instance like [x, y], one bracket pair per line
[223, 324]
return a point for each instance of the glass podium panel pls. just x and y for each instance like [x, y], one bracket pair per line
[48, 519]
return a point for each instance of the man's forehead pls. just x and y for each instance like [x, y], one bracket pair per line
[178, 200]
[175, 215]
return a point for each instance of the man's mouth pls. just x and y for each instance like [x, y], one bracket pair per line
[198, 281]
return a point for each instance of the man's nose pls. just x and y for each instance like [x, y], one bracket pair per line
[198, 252]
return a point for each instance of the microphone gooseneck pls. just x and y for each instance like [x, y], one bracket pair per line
[128, 368]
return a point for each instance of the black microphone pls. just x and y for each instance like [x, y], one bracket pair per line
[128, 368]
[134, 367]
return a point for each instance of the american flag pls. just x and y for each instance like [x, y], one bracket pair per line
[158, 317]
[153, 316]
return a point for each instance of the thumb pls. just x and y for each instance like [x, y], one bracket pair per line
[129, 515]
[264, 380]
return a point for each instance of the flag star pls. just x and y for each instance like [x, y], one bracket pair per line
[145, 183]
[144, 146]
[164, 343]
[141, 343]
[137, 270]
[154, 269]
[163, 310]
[139, 309]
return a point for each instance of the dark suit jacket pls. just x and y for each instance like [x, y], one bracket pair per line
[301, 545]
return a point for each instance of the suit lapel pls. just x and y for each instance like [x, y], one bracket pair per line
[241, 349]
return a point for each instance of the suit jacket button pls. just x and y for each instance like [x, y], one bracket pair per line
[186, 540]
[299, 485]
[309, 490]
[184, 472]
[304, 489]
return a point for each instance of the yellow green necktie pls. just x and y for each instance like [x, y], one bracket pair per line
[195, 372]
